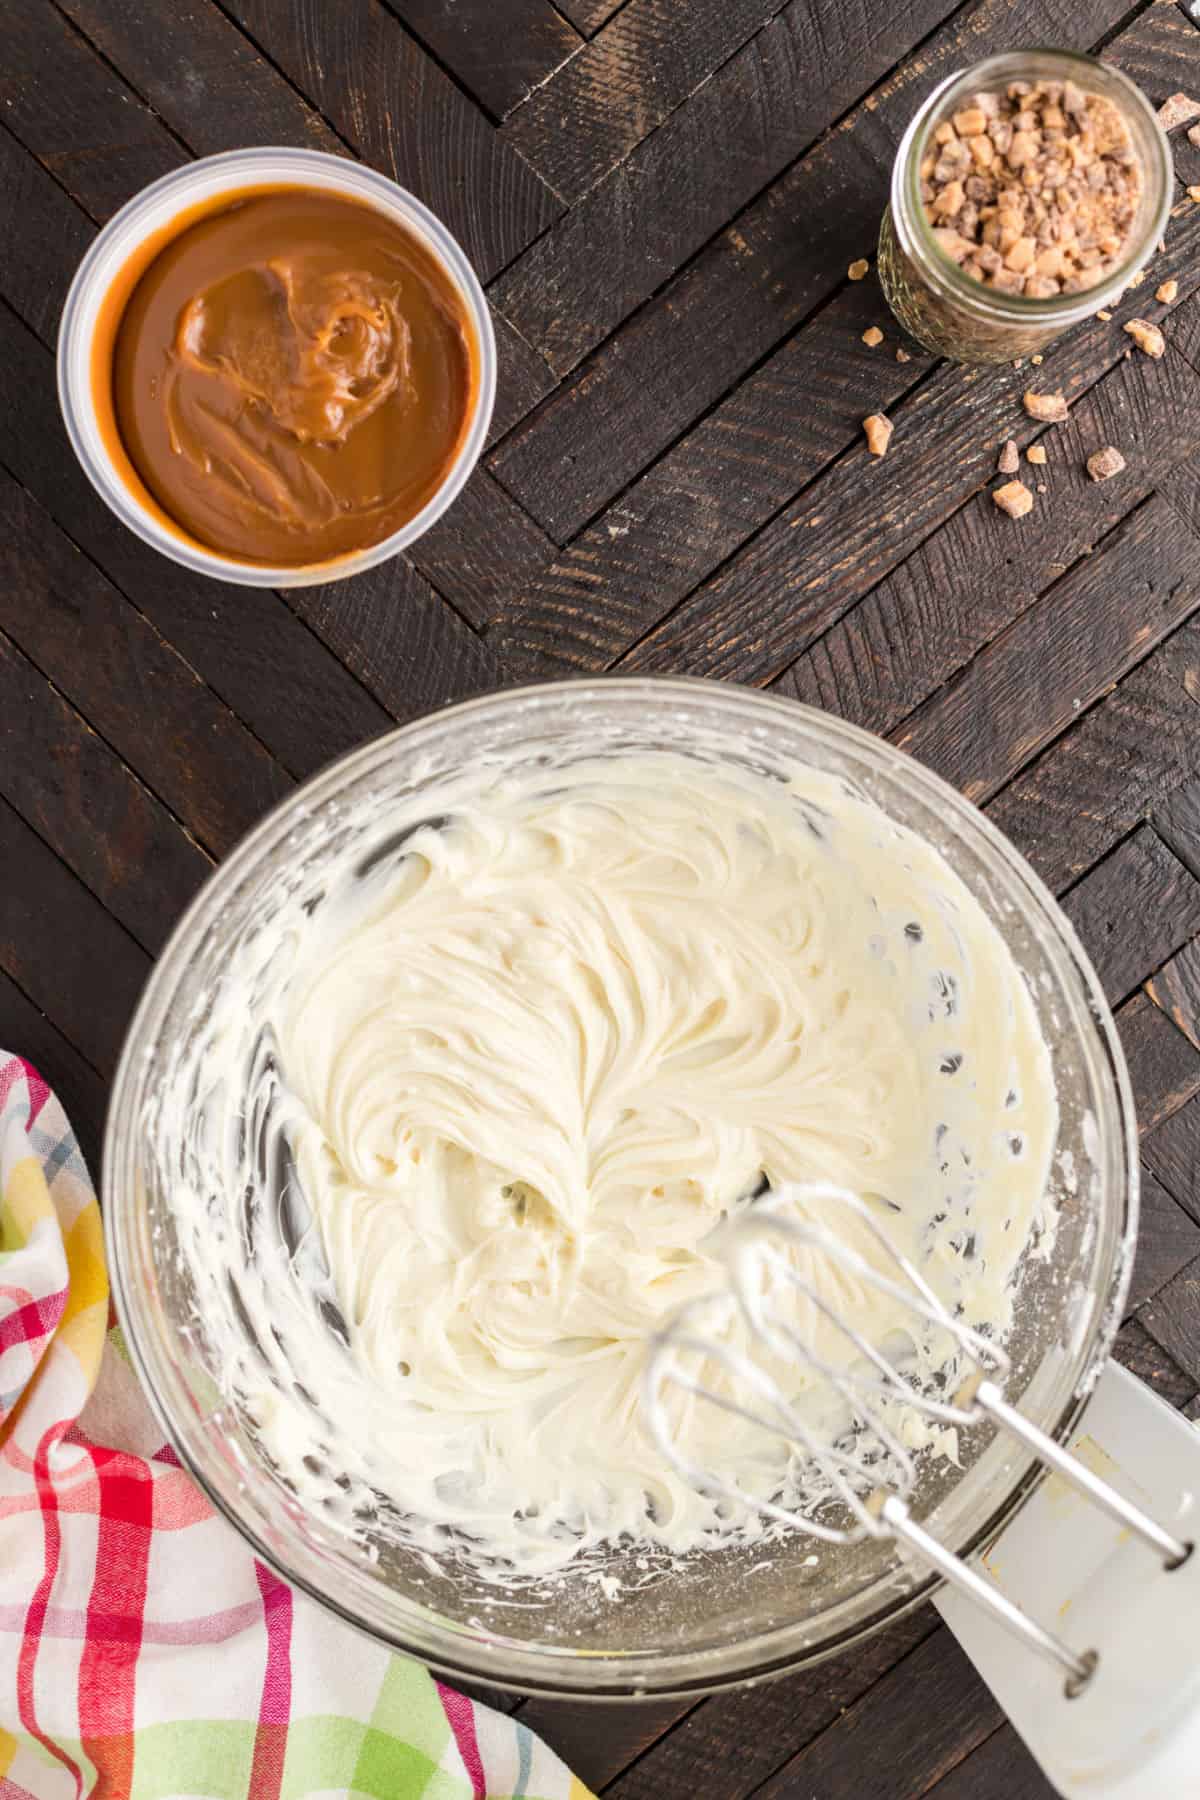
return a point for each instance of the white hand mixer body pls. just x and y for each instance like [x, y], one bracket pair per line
[1123, 1723]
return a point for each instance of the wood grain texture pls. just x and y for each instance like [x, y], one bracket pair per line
[1172, 1151]
[727, 1745]
[202, 76]
[1029, 683]
[970, 580]
[1159, 51]
[1176, 818]
[875, 1738]
[1122, 759]
[1001, 1769]
[1164, 1068]
[500, 54]
[79, 119]
[821, 554]
[483, 551]
[523, 377]
[766, 270]
[773, 435]
[1172, 1319]
[127, 682]
[393, 104]
[63, 949]
[402, 641]
[68, 784]
[26, 1031]
[623, 84]
[1144, 1357]
[589, 15]
[1142, 880]
[53, 233]
[1168, 1240]
[600, 1742]
[307, 709]
[1176, 989]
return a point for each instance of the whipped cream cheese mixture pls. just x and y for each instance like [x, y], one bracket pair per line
[494, 1087]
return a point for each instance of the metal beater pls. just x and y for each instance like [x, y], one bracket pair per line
[865, 1471]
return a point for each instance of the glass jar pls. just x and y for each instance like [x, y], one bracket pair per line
[948, 311]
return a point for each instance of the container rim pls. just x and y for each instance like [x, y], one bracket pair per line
[230, 172]
[915, 234]
[582, 1674]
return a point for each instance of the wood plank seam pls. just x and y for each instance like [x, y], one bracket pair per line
[580, 65]
[604, 379]
[451, 74]
[94, 730]
[748, 202]
[26, 995]
[1051, 743]
[151, 626]
[112, 68]
[612, 505]
[849, 450]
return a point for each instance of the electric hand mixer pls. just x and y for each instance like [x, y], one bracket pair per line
[1125, 1719]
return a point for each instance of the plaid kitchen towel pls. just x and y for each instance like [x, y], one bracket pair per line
[144, 1652]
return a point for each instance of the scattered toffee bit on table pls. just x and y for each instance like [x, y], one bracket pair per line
[1036, 453]
[1146, 336]
[1178, 110]
[1033, 191]
[858, 269]
[872, 336]
[1104, 314]
[1047, 409]
[1009, 460]
[879, 433]
[1194, 193]
[1102, 465]
[1167, 292]
[1014, 498]
[902, 355]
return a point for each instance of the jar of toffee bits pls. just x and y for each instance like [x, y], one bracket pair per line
[1025, 194]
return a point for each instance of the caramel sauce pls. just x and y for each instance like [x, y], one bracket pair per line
[284, 376]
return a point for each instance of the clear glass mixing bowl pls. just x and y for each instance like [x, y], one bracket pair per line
[723, 1617]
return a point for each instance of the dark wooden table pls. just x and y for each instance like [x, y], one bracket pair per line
[663, 197]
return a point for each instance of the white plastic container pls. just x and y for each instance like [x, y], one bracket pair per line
[108, 273]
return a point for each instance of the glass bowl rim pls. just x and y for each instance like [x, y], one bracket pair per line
[583, 1673]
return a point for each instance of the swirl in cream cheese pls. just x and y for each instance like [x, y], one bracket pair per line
[514, 1075]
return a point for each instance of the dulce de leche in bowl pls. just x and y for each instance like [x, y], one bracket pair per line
[285, 379]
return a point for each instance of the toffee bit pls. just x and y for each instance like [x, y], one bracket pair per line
[858, 269]
[1035, 191]
[872, 336]
[902, 355]
[1036, 453]
[879, 433]
[1167, 292]
[1178, 110]
[1146, 336]
[1014, 498]
[1009, 460]
[1102, 465]
[1104, 314]
[1136, 279]
[1194, 193]
[1047, 409]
